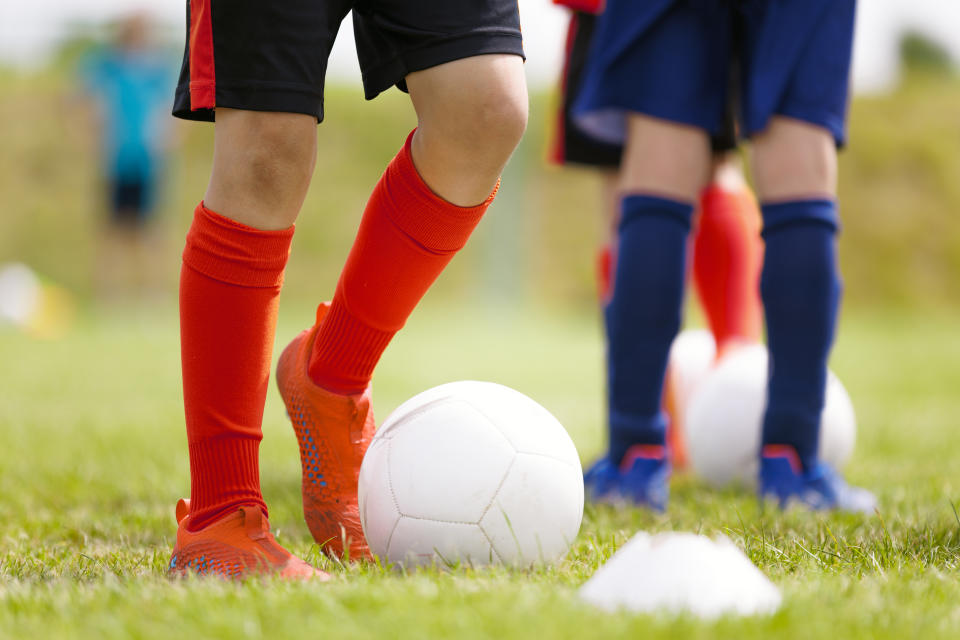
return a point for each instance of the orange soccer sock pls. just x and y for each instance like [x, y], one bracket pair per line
[229, 287]
[407, 236]
[727, 258]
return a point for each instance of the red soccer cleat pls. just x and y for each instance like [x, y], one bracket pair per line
[236, 546]
[334, 432]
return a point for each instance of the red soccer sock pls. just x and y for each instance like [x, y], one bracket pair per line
[407, 236]
[727, 258]
[229, 288]
[604, 272]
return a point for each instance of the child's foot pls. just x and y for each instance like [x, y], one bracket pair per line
[602, 481]
[645, 476]
[783, 479]
[334, 432]
[642, 478]
[236, 546]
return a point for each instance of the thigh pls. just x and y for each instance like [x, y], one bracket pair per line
[258, 56]
[665, 158]
[398, 37]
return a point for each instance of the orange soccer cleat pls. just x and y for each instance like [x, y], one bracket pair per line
[334, 432]
[236, 546]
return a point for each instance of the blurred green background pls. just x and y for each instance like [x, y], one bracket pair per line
[899, 191]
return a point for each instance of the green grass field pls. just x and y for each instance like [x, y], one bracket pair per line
[94, 457]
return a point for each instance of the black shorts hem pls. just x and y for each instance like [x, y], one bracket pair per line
[724, 141]
[379, 78]
[583, 151]
[261, 96]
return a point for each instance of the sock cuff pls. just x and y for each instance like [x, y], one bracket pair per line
[821, 211]
[231, 252]
[350, 343]
[224, 474]
[437, 225]
[641, 205]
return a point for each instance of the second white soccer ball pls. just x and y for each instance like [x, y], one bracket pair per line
[724, 417]
[471, 472]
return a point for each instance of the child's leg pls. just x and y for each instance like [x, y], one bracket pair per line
[472, 113]
[795, 167]
[795, 104]
[233, 266]
[665, 165]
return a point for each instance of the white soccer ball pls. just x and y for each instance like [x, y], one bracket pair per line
[691, 358]
[724, 420]
[471, 472]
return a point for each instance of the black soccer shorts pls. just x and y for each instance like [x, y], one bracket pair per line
[271, 55]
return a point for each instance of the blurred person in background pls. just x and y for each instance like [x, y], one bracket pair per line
[657, 81]
[726, 245]
[129, 81]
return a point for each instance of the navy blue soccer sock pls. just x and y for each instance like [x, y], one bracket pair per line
[643, 316]
[801, 290]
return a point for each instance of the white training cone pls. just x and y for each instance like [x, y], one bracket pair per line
[681, 573]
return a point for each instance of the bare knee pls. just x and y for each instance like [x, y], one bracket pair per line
[665, 158]
[472, 114]
[493, 124]
[479, 102]
[278, 157]
[262, 166]
[794, 159]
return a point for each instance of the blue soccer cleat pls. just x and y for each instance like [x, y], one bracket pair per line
[645, 476]
[642, 478]
[601, 482]
[783, 479]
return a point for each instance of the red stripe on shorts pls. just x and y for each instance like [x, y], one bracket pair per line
[588, 6]
[203, 81]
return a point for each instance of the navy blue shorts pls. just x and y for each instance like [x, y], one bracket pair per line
[570, 145]
[271, 55]
[670, 59]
